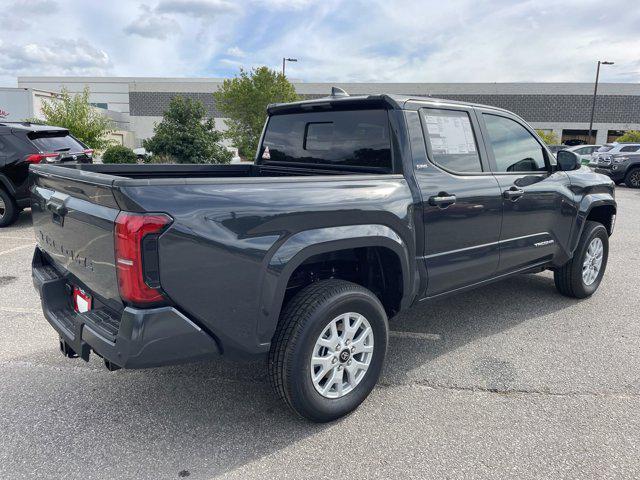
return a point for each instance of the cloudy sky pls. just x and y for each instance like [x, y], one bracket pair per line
[334, 40]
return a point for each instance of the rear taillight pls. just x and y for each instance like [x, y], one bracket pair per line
[136, 249]
[39, 157]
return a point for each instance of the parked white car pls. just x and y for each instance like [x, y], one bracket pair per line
[584, 152]
[611, 148]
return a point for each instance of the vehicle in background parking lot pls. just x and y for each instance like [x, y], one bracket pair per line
[584, 152]
[23, 144]
[612, 148]
[355, 209]
[556, 148]
[621, 167]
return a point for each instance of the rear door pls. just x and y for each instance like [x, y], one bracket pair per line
[537, 215]
[461, 202]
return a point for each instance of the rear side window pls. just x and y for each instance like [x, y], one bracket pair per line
[453, 143]
[358, 138]
[55, 142]
[514, 148]
[630, 148]
[604, 148]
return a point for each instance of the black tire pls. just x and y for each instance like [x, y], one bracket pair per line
[568, 278]
[632, 178]
[8, 209]
[303, 320]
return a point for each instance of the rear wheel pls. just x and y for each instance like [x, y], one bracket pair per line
[581, 276]
[8, 209]
[328, 350]
[632, 179]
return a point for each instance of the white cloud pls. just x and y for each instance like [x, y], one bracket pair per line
[57, 56]
[14, 17]
[236, 52]
[151, 25]
[196, 8]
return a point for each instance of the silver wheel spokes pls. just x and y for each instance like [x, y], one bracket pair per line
[592, 261]
[342, 355]
[2, 208]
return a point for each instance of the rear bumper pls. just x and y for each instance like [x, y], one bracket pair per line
[136, 338]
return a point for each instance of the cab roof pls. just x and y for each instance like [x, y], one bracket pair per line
[346, 101]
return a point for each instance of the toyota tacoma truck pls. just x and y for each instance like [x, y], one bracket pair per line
[355, 209]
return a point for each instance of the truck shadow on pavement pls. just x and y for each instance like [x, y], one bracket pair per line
[210, 418]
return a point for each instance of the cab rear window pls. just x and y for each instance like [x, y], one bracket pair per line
[55, 142]
[351, 138]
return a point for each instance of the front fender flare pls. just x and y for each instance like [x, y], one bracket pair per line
[588, 203]
[290, 254]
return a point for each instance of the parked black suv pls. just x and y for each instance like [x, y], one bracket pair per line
[23, 144]
[621, 167]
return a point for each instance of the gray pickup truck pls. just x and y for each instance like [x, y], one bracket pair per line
[356, 208]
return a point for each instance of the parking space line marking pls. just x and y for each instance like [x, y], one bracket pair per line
[15, 249]
[415, 335]
[19, 310]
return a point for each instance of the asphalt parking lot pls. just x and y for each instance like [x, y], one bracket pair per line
[509, 381]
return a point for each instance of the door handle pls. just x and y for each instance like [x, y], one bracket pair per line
[513, 194]
[442, 200]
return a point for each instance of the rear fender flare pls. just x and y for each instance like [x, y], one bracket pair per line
[303, 245]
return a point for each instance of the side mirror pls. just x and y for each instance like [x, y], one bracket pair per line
[567, 161]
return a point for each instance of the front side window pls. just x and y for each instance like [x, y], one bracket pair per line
[514, 148]
[348, 138]
[452, 141]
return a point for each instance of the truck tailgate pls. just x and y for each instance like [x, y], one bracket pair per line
[73, 221]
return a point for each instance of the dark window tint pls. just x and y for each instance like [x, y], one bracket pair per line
[347, 138]
[453, 143]
[514, 148]
[55, 142]
[630, 148]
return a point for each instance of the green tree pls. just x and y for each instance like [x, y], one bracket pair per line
[243, 100]
[631, 136]
[548, 137]
[76, 114]
[186, 135]
[119, 154]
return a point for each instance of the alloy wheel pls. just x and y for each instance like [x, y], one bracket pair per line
[341, 355]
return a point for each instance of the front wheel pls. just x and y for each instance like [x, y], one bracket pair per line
[580, 277]
[328, 350]
[632, 179]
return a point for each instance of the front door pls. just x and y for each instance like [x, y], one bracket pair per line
[461, 202]
[536, 200]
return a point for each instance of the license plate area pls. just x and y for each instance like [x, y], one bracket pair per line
[82, 301]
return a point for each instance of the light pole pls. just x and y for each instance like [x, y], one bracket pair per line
[593, 104]
[284, 60]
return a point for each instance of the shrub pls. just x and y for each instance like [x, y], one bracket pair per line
[632, 136]
[162, 158]
[186, 134]
[119, 154]
[548, 137]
